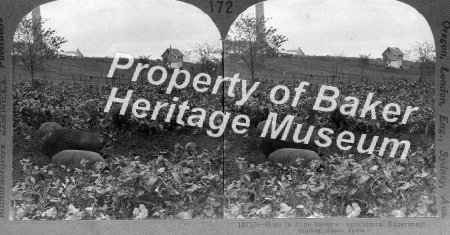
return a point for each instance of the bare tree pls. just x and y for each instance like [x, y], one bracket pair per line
[33, 44]
[207, 55]
[336, 57]
[363, 61]
[425, 54]
[250, 40]
[144, 59]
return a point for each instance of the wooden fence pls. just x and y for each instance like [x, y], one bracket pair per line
[323, 75]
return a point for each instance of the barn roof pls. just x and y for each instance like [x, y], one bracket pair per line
[394, 50]
[297, 52]
[173, 52]
[76, 53]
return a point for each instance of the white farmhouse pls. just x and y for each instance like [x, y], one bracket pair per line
[292, 53]
[71, 54]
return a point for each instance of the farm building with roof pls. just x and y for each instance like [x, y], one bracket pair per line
[292, 53]
[172, 58]
[71, 54]
[393, 57]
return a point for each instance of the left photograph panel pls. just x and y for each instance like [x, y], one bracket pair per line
[112, 112]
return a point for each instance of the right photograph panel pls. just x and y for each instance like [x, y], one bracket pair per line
[340, 101]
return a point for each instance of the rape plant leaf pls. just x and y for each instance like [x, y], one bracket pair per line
[405, 186]
[284, 207]
[193, 188]
[232, 211]
[161, 170]
[184, 215]
[72, 210]
[50, 213]
[363, 179]
[397, 213]
[140, 213]
[353, 211]
[152, 180]
[265, 210]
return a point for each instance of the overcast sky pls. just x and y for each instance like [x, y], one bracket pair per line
[136, 27]
[351, 27]
[321, 27]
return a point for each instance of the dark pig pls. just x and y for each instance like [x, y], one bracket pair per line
[119, 120]
[47, 127]
[62, 139]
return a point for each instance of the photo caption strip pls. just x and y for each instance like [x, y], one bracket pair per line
[223, 13]
[3, 95]
[5, 119]
[442, 107]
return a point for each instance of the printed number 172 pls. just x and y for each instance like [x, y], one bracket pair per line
[221, 6]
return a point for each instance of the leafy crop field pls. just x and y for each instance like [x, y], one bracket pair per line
[160, 170]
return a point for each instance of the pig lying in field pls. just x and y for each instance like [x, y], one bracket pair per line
[268, 145]
[73, 158]
[289, 156]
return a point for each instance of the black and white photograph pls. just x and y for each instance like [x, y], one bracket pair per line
[350, 86]
[224, 116]
[70, 61]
